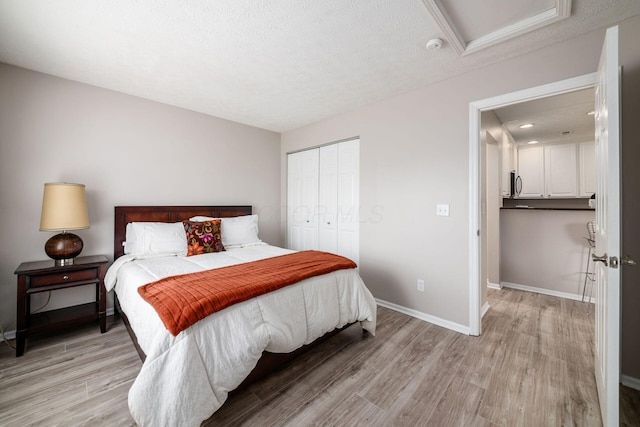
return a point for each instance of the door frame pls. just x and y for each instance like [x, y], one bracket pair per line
[476, 108]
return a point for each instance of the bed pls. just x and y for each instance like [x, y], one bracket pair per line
[186, 377]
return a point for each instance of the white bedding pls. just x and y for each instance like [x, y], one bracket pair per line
[186, 378]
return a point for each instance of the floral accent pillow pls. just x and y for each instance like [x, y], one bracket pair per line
[203, 237]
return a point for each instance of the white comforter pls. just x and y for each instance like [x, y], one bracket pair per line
[186, 378]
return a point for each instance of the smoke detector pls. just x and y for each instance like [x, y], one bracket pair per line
[434, 44]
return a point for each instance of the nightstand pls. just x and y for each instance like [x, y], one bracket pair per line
[43, 276]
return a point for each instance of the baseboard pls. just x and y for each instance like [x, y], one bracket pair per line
[630, 382]
[424, 316]
[493, 285]
[544, 291]
[484, 309]
[11, 335]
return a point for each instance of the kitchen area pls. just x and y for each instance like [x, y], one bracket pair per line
[538, 208]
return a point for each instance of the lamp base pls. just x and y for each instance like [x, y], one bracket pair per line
[63, 262]
[63, 248]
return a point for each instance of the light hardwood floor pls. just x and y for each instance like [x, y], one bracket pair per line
[533, 365]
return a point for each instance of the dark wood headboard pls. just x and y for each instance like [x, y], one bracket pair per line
[127, 214]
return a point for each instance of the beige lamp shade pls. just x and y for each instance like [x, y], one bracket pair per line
[64, 207]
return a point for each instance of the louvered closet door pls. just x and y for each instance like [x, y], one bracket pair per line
[302, 200]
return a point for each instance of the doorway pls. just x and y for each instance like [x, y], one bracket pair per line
[534, 239]
[476, 172]
[608, 222]
[479, 250]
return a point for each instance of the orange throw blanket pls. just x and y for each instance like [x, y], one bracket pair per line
[183, 300]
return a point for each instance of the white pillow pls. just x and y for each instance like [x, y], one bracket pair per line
[202, 218]
[236, 231]
[131, 245]
[155, 238]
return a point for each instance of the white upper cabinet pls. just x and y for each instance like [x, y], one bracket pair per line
[560, 170]
[508, 156]
[587, 167]
[531, 171]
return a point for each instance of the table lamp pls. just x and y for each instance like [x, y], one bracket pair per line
[64, 207]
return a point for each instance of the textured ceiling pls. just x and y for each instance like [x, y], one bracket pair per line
[274, 64]
[491, 15]
[556, 119]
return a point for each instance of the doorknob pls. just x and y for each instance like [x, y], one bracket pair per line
[603, 259]
[625, 260]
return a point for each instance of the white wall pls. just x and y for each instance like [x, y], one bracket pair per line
[414, 155]
[128, 151]
[545, 249]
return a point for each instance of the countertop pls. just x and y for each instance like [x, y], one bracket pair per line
[530, 208]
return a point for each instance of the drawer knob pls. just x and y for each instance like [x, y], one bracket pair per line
[65, 277]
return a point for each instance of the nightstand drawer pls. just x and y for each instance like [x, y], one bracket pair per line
[66, 277]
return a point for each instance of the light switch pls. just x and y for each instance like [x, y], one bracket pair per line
[442, 210]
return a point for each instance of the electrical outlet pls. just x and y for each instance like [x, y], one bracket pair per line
[442, 210]
[421, 285]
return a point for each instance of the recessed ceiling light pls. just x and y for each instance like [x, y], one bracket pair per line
[526, 126]
[532, 142]
[591, 113]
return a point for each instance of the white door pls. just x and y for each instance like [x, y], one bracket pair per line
[607, 333]
[302, 200]
[323, 199]
[349, 199]
[328, 199]
[310, 160]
